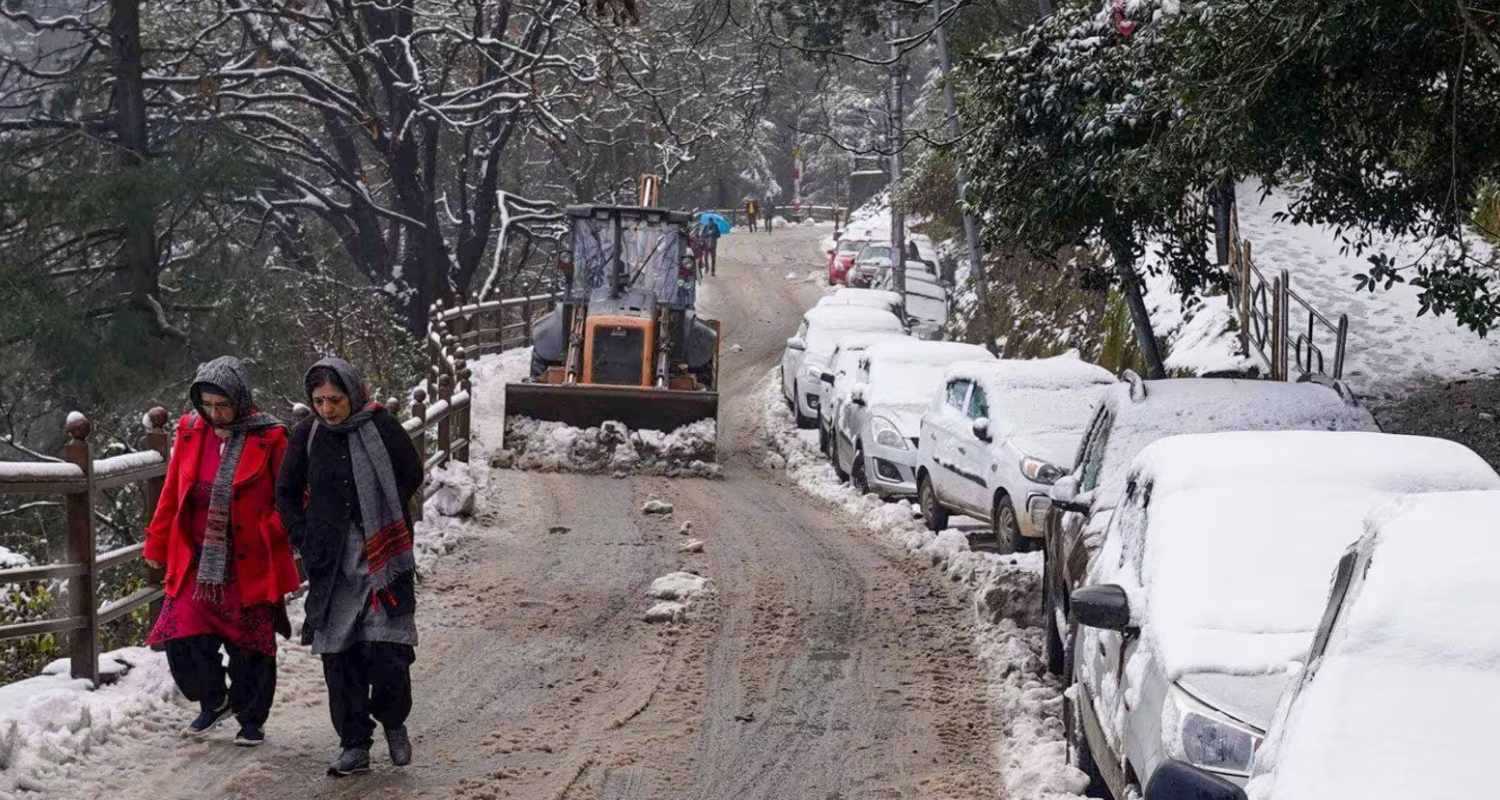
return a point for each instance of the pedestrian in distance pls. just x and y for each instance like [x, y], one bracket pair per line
[710, 237]
[770, 212]
[344, 495]
[228, 563]
[752, 208]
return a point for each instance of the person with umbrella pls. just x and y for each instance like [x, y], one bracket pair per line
[711, 227]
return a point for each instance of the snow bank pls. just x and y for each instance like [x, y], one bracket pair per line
[1006, 601]
[675, 593]
[10, 559]
[613, 448]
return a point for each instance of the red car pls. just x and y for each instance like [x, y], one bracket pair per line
[841, 259]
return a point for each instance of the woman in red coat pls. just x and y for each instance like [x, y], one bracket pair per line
[229, 566]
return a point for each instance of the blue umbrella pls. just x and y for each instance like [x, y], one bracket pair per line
[717, 219]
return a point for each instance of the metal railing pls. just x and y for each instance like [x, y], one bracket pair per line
[1266, 308]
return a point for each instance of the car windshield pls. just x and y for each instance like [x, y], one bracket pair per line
[899, 383]
[1045, 410]
[921, 306]
[875, 251]
[851, 245]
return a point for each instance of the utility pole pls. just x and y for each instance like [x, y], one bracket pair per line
[971, 227]
[1045, 7]
[897, 133]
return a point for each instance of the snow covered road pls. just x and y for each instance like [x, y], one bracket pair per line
[822, 662]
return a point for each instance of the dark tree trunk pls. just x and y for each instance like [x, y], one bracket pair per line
[141, 260]
[1130, 287]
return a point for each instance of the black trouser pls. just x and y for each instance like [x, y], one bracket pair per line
[198, 668]
[713, 257]
[369, 680]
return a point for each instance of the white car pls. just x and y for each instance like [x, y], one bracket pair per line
[875, 427]
[840, 375]
[998, 435]
[1213, 576]
[869, 298]
[1401, 686]
[806, 356]
[926, 300]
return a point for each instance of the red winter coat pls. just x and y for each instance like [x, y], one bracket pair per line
[263, 563]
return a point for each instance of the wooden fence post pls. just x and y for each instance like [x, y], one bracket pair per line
[419, 413]
[464, 419]
[157, 439]
[83, 643]
[445, 423]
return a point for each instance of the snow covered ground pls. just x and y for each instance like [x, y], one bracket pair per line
[1006, 591]
[50, 722]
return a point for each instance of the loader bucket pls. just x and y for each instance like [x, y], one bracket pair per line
[589, 405]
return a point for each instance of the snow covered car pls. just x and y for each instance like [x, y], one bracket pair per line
[1401, 688]
[1136, 413]
[875, 428]
[992, 441]
[926, 300]
[806, 356]
[870, 298]
[1208, 589]
[840, 375]
[841, 259]
[874, 260]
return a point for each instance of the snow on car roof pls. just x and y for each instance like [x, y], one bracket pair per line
[1406, 693]
[924, 352]
[910, 372]
[1384, 462]
[827, 324]
[1206, 405]
[845, 296]
[1058, 372]
[1245, 528]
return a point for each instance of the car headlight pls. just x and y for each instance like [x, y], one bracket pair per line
[887, 435]
[1217, 744]
[1040, 471]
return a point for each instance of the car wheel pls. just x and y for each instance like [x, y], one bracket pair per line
[1005, 526]
[803, 421]
[1053, 638]
[857, 477]
[1080, 755]
[838, 468]
[933, 513]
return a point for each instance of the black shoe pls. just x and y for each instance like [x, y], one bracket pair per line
[208, 718]
[399, 744]
[250, 735]
[350, 761]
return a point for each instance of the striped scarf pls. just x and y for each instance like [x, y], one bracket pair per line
[388, 539]
[213, 564]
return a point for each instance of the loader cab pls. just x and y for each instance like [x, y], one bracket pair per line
[625, 342]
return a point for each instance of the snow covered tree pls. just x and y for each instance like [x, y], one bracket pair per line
[1066, 149]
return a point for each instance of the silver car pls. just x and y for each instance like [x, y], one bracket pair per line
[875, 429]
[1211, 582]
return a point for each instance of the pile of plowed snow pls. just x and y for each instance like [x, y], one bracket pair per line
[610, 448]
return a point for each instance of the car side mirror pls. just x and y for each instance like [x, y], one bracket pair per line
[857, 395]
[796, 343]
[982, 429]
[1104, 606]
[1064, 495]
[826, 377]
[1177, 780]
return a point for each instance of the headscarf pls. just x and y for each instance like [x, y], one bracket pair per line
[388, 539]
[224, 375]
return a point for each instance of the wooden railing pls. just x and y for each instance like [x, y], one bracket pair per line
[439, 426]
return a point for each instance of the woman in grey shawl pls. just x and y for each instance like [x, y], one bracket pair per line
[343, 494]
